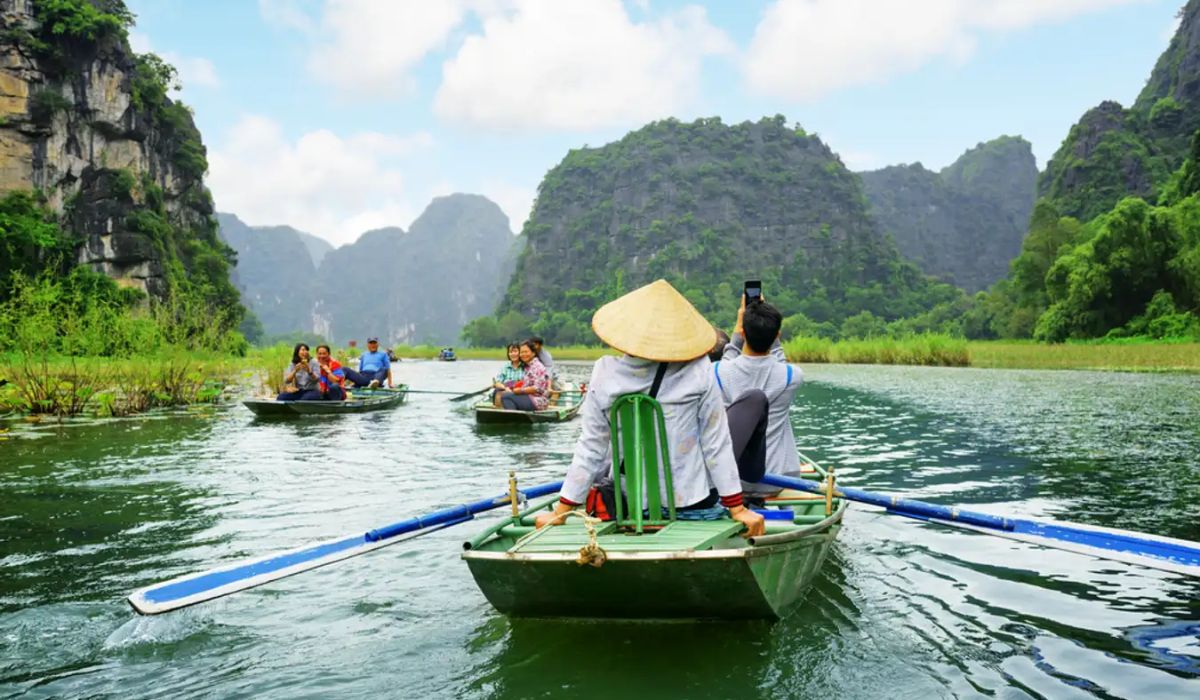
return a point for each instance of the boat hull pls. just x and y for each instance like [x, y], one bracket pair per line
[362, 401]
[741, 582]
[487, 414]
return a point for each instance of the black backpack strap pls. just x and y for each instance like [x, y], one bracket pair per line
[658, 379]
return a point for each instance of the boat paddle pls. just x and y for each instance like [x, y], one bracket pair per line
[1151, 551]
[464, 397]
[215, 583]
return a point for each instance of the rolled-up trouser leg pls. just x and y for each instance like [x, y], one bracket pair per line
[748, 428]
[357, 378]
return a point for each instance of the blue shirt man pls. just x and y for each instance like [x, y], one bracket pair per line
[373, 367]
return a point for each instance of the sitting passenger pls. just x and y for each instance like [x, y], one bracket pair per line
[511, 376]
[331, 377]
[757, 386]
[665, 341]
[543, 355]
[534, 392]
[300, 377]
[374, 366]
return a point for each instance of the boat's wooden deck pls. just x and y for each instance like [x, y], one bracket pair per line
[681, 535]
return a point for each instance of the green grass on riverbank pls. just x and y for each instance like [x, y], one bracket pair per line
[1116, 356]
[932, 350]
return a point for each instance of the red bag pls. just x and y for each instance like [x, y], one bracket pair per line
[596, 506]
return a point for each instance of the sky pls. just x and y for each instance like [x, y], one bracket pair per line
[341, 116]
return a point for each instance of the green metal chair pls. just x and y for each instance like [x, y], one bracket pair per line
[639, 441]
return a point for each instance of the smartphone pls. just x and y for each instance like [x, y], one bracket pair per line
[752, 290]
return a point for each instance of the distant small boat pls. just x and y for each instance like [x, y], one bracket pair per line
[570, 401]
[360, 401]
[447, 355]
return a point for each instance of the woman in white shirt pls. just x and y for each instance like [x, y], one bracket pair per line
[660, 332]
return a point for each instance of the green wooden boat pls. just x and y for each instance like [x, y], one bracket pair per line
[567, 407]
[360, 401]
[655, 568]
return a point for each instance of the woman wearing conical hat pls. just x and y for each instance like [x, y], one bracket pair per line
[663, 336]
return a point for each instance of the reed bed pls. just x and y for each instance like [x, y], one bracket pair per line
[926, 349]
[1119, 356]
[71, 386]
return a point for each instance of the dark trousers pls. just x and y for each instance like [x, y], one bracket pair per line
[517, 402]
[362, 379]
[335, 393]
[748, 427]
[309, 395]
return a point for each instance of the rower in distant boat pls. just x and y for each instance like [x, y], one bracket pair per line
[374, 367]
[665, 341]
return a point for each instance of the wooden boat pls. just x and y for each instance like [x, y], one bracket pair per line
[361, 400]
[566, 407]
[635, 567]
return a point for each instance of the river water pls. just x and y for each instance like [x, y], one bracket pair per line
[92, 510]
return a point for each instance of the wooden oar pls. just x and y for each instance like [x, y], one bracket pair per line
[464, 397]
[1152, 551]
[208, 585]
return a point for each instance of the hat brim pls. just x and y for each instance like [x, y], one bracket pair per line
[655, 322]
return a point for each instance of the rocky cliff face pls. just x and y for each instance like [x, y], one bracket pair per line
[87, 123]
[276, 273]
[965, 223]
[419, 286]
[1114, 152]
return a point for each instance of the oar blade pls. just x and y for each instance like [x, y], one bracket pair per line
[1151, 551]
[215, 583]
[464, 397]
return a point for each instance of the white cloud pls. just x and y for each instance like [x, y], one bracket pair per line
[1172, 30]
[332, 186]
[576, 65]
[193, 71]
[287, 14]
[515, 201]
[371, 46]
[803, 49]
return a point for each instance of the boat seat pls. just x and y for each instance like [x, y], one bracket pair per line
[680, 535]
[640, 452]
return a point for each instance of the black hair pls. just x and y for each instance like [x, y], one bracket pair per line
[718, 350]
[296, 352]
[510, 346]
[327, 348]
[536, 339]
[761, 323]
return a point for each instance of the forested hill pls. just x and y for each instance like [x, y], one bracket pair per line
[965, 223]
[1114, 152]
[1114, 241]
[101, 171]
[706, 205]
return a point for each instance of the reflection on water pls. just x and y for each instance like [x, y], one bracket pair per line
[902, 609]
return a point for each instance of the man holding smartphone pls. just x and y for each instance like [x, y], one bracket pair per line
[757, 386]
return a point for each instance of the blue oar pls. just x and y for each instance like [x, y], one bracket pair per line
[1152, 551]
[197, 588]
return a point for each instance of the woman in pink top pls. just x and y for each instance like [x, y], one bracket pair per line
[534, 393]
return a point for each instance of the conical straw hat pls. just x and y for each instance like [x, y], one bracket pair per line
[654, 322]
